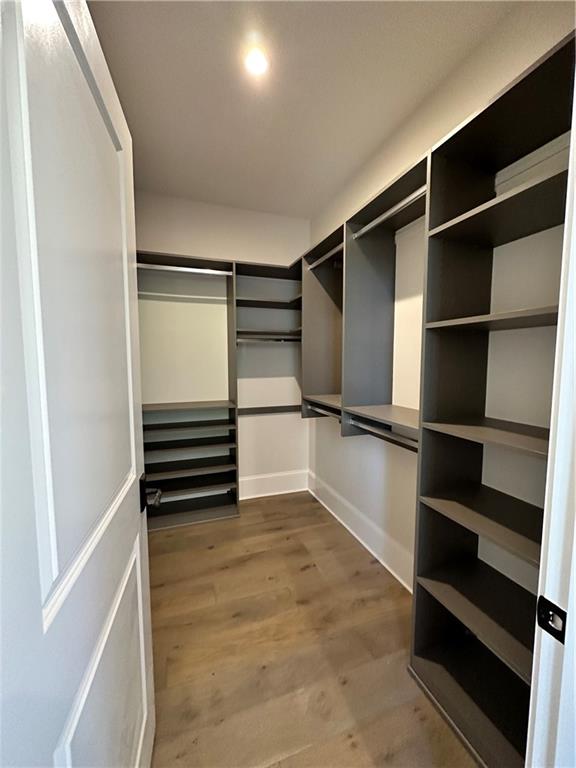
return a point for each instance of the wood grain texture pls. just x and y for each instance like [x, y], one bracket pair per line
[280, 641]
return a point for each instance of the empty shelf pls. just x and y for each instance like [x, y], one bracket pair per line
[521, 437]
[393, 415]
[195, 491]
[330, 401]
[196, 504]
[529, 208]
[503, 321]
[253, 410]
[294, 303]
[222, 424]
[460, 678]
[497, 611]
[198, 464]
[509, 522]
[181, 474]
[191, 406]
[190, 517]
[255, 335]
[189, 442]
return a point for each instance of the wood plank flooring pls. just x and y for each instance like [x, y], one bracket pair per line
[280, 642]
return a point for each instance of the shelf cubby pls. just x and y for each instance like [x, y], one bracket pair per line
[369, 307]
[322, 297]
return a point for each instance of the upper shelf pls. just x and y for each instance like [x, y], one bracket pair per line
[190, 406]
[331, 401]
[294, 303]
[520, 437]
[502, 321]
[531, 207]
[168, 262]
[400, 215]
[290, 272]
[392, 415]
[330, 246]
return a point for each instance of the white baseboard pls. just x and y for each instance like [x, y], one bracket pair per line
[273, 484]
[393, 557]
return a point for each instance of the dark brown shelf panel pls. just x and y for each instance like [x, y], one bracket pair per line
[502, 321]
[198, 465]
[219, 511]
[392, 415]
[218, 441]
[461, 679]
[188, 406]
[521, 437]
[528, 208]
[271, 271]
[182, 474]
[197, 490]
[253, 410]
[294, 303]
[509, 522]
[196, 504]
[330, 401]
[246, 334]
[221, 424]
[497, 611]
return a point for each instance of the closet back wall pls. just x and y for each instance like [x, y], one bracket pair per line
[273, 448]
[368, 484]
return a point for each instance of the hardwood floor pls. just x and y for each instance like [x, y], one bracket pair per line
[280, 641]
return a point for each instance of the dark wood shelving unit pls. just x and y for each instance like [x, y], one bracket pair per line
[473, 627]
[257, 303]
[369, 306]
[322, 297]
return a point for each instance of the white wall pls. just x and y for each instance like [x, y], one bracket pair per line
[176, 334]
[521, 38]
[369, 485]
[180, 226]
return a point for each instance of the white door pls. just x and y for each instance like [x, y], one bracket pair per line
[76, 664]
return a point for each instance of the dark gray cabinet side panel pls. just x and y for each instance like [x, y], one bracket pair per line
[368, 343]
[231, 324]
[322, 328]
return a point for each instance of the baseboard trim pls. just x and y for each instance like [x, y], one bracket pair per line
[314, 482]
[273, 484]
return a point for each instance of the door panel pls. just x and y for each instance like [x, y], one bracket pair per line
[76, 684]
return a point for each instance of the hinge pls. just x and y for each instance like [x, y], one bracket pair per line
[552, 619]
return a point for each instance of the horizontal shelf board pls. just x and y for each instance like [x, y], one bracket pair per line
[521, 437]
[161, 466]
[154, 259]
[252, 410]
[273, 271]
[330, 401]
[188, 406]
[205, 271]
[195, 491]
[218, 441]
[440, 673]
[509, 522]
[221, 424]
[394, 415]
[182, 474]
[192, 517]
[181, 297]
[294, 303]
[192, 505]
[497, 611]
[529, 208]
[400, 215]
[502, 321]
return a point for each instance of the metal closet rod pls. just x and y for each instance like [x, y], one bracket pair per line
[193, 270]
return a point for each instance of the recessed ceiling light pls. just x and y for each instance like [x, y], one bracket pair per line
[256, 62]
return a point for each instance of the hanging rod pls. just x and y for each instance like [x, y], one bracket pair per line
[420, 192]
[326, 256]
[323, 411]
[194, 270]
[186, 296]
[386, 434]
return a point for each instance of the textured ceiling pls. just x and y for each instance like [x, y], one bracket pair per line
[343, 76]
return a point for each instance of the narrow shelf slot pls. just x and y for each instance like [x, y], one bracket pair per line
[336, 250]
[511, 523]
[521, 437]
[204, 271]
[497, 611]
[331, 401]
[197, 504]
[406, 211]
[502, 321]
[222, 424]
[393, 415]
[292, 304]
[183, 474]
[245, 334]
[531, 207]
[188, 406]
[196, 491]
[253, 410]
[464, 679]
[201, 464]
